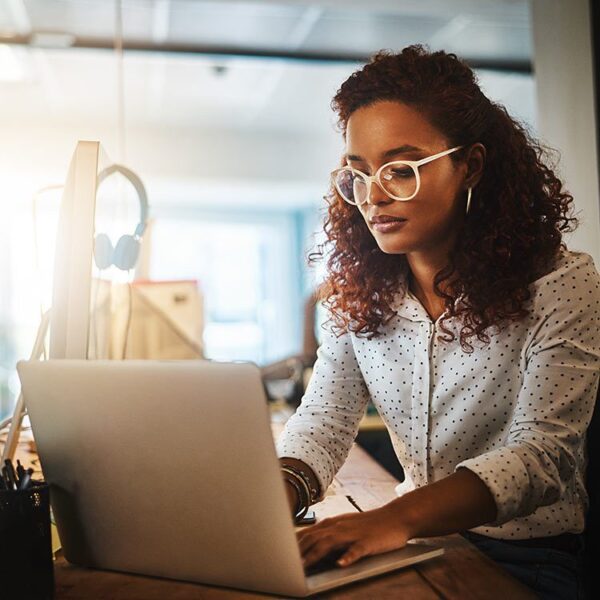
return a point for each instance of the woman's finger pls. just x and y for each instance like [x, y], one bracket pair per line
[322, 548]
[324, 523]
[356, 551]
[315, 530]
[308, 541]
[308, 531]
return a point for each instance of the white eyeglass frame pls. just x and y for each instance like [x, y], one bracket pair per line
[414, 164]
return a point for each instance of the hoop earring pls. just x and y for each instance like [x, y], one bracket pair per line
[468, 199]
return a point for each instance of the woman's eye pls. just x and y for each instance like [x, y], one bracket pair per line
[402, 172]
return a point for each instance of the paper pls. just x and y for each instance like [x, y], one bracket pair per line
[332, 506]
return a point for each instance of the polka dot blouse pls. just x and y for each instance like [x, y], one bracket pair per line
[514, 412]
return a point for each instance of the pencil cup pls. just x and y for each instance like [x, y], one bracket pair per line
[26, 565]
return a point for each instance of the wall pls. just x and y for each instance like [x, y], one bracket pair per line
[566, 114]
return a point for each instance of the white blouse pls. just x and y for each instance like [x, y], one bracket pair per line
[514, 412]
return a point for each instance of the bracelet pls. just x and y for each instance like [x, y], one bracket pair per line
[302, 506]
[302, 489]
[295, 485]
[292, 476]
[300, 515]
[313, 493]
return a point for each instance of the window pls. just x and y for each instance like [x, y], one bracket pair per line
[246, 271]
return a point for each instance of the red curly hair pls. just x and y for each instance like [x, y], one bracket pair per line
[512, 233]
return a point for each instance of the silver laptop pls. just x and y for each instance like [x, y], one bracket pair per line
[169, 469]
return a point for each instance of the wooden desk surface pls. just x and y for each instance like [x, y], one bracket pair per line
[461, 572]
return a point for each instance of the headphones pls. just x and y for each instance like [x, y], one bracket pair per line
[125, 252]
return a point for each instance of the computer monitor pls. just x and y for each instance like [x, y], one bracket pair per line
[76, 273]
[70, 313]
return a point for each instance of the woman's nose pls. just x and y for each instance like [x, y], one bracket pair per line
[377, 195]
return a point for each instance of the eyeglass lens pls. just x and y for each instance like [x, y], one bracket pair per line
[396, 179]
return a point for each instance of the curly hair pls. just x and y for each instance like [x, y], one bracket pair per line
[511, 236]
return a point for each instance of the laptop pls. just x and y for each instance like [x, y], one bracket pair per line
[169, 469]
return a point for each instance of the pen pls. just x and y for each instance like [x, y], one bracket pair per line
[20, 470]
[12, 476]
[26, 480]
[6, 477]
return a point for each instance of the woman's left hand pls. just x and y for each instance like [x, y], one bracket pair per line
[362, 534]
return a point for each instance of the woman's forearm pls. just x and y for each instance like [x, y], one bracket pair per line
[455, 503]
[294, 462]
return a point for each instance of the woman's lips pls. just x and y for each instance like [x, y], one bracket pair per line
[389, 226]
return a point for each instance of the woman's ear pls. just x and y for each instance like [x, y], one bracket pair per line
[475, 161]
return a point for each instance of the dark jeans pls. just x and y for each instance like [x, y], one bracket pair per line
[552, 574]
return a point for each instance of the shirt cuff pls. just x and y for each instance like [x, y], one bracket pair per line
[505, 475]
[298, 446]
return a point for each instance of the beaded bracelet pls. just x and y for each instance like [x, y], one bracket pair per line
[303, 493]
[293, 476]
[295, 485]
[314, 494]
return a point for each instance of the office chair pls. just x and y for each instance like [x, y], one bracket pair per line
[591, 533]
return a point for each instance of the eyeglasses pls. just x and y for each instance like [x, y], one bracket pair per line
[398, 179]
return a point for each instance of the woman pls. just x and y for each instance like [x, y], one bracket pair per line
[488, 420]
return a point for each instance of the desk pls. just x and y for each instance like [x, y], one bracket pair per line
[461, 572]
[370, 422]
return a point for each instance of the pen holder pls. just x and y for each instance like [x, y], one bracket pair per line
[26, 562]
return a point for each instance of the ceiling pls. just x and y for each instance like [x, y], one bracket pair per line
[238, 92]
[236, 65]
[484, 31]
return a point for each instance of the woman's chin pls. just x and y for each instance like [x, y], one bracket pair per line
[389, 246]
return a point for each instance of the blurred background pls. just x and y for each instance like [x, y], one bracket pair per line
[223, 109]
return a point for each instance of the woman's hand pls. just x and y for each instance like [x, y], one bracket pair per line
[362, 534]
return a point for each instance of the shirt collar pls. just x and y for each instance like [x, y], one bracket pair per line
[408, 306]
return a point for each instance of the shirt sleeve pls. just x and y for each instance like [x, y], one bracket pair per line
[554, 406]
[321, 431]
